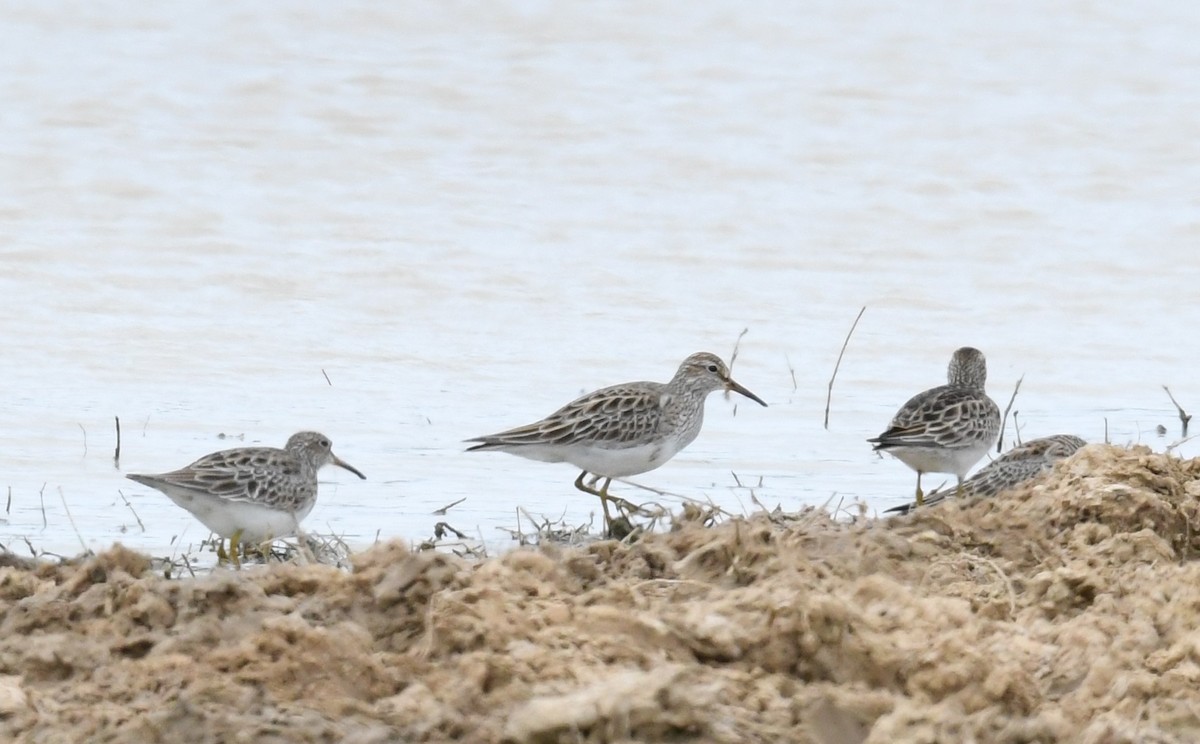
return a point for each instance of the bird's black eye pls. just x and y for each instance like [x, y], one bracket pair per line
[325, 443]
[712, 368]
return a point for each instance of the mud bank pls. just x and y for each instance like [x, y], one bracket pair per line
[1067, 611]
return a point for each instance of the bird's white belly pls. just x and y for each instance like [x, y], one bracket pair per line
[258, 523]
[605, 461]
[955, 461]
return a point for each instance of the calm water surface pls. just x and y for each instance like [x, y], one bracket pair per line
[464, 217]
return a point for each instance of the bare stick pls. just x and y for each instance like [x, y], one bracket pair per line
[84, 438]
[1016, 428]
[1106, 430]
[42, 499]
[442, 512]
[1175, 444]
[732, 359]
[72, 521]
[792, 370]
[117, 454]
[8, 505]
[829, 389]
[656, 491]
[736, 479]
[1004, 418]
[135, 514]
[736, 344]
[441, 528]
[519, 534]
[1183, 415]
[326, 377]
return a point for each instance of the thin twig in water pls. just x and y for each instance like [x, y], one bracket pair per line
[1178, 442]
[1106, 430]
[791, 370]
[736, 480]
[42, 500]
[1004, 418]
[1016, 428]
[482, 545]
[8, 505]
[442, 512]
[71, 519]
[117, 453]
[732, 359]
[441, 528]
[736, 344]
[84, 438]
[1184, 417]
[656, 491]
[135, 514]
[829, 389]
[326, 377]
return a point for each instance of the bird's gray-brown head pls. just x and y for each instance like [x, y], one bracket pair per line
[316, 449]
[704, 373]
[968, 368]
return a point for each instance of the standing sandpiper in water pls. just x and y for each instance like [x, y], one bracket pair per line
[945, 429]
[251, 494]
[1019, 465]
[622, 430]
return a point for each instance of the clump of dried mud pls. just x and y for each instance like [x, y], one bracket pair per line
[1067, 611]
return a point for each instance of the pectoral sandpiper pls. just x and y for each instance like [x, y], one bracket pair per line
[1019, 465]
[622, 430]
[251, 494]
[945, 429]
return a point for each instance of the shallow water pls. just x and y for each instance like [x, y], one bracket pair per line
[465, 217]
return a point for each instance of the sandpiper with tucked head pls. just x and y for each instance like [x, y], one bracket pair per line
[251, 494]
[622, 430]
[945, 429]
[1019, 465]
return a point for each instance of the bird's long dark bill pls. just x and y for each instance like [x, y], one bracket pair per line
[343, 464]
[731, 385]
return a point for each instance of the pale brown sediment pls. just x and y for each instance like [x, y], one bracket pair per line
[1067, 610]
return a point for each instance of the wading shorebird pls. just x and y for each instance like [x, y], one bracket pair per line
[1020, 464]
[251, 494]
[945, 429]
[622, 430]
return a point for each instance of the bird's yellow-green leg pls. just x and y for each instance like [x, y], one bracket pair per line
[234, 543]
[222, 556]
[602, 493]
[958, 492]
[920, 493]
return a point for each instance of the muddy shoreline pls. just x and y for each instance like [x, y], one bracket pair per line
[1065, 611]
